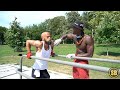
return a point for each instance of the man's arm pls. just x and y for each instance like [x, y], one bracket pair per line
[90, 48]
[66, 36]
[52, 46]
[30, 43]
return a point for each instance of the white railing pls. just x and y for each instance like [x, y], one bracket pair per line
[85, 66]
[92, 59]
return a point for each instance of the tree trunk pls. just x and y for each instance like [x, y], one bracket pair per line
[63, 42]
[92, 33]
[107, 52]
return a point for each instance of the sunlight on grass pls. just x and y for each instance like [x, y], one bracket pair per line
[7, 55]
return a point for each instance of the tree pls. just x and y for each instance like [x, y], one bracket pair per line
[106, 29]
[14, 36]
[57, 26]
[2, 34]
[72, 17]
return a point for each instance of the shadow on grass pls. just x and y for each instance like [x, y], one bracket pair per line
[109, 45]
[110, 53]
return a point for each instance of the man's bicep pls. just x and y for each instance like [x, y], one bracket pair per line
[90, 50]
[89, 41]
[30, 42]
[90, 46]
[70, 36]
[37, 43]
[33, 43]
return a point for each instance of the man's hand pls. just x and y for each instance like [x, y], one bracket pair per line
[29, 54]
[52, 54]
[70, 56]
[57, 42]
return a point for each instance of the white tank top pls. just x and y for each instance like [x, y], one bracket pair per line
[42, 64]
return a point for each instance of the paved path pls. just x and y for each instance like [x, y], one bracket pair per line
[8, 71]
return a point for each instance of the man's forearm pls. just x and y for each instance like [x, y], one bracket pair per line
[67, 36]
[58, 41]
[84, 55]
[28, 46]
[64, 37]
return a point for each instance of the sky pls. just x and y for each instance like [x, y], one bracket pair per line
[27, 18]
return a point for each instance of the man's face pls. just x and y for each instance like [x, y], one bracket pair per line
[76, 31]
[47, 37]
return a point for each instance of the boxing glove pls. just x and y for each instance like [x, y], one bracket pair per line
[29, 54]
[70, 56]
[57, 42]
[52, 54]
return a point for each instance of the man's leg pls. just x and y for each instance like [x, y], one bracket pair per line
[80, 73]
[44, 74]
[33, 74]
[33, 70]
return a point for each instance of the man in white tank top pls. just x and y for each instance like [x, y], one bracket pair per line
[44, 50]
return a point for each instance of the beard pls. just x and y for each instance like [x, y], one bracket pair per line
[48, 42]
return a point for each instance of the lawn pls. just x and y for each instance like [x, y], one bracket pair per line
[7, 55]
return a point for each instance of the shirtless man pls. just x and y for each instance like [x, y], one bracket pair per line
[84, 48]
[44, 50]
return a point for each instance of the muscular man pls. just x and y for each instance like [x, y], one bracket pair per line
[44, 50]
[84, 48]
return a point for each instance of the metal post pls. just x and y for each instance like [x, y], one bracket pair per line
[21, 66]
[25, 75]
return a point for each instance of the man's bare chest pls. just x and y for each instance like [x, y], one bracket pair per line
[81, 47]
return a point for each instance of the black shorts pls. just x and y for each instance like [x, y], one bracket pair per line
[43, 74]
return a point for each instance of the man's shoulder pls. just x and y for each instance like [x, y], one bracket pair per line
[88, 36]
[89, 39]
[38, 42]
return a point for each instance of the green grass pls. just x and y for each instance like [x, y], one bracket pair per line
[114, 50]
[7, 55]
[5, 50]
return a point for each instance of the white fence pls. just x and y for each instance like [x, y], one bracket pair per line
[85, 66]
